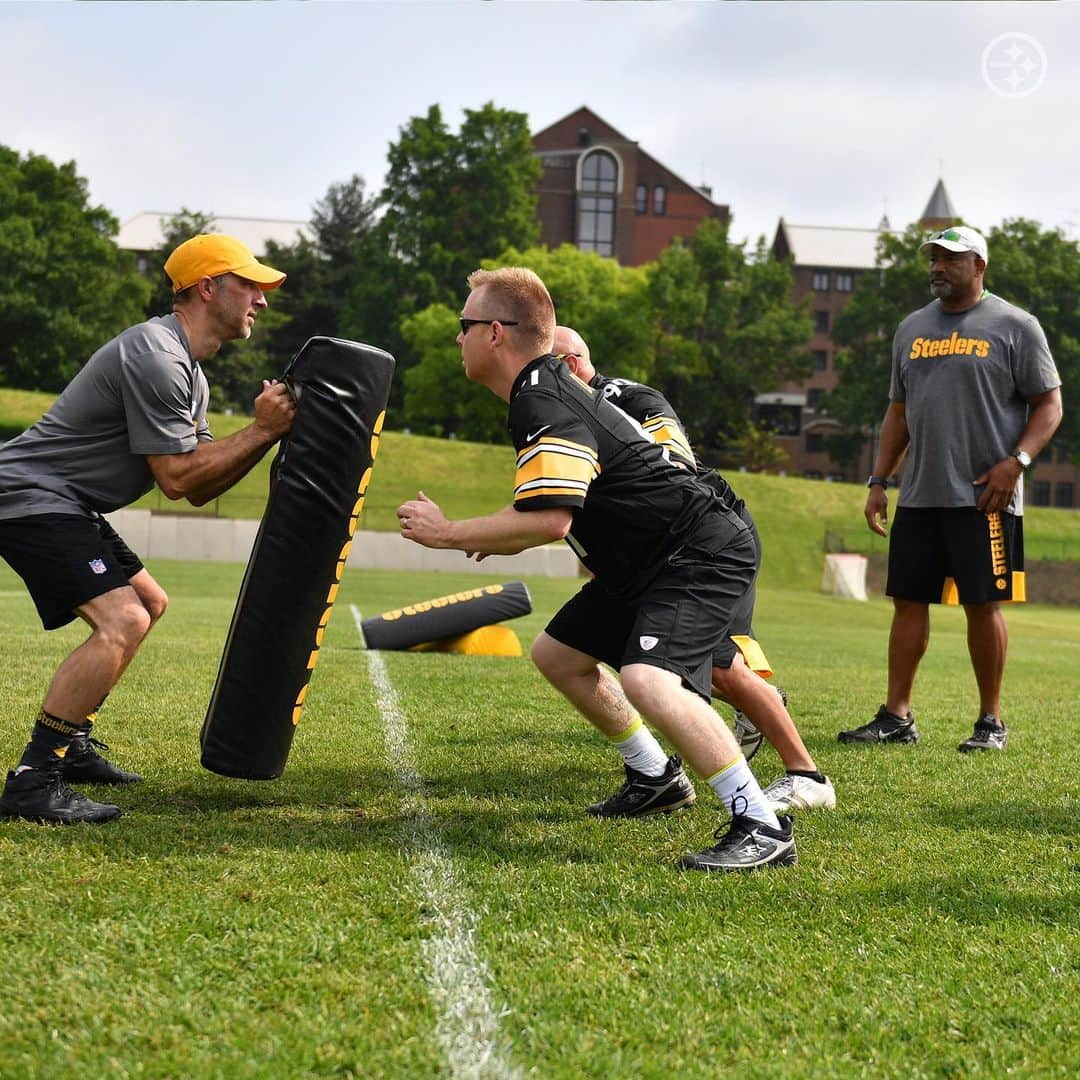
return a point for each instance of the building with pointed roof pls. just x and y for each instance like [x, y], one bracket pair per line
[940, 212]
[600, 191]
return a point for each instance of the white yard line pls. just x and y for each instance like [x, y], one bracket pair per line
[468, 1024]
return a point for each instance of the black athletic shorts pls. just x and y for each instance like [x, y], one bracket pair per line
[960, 555]
[66, 560]
[683, 624]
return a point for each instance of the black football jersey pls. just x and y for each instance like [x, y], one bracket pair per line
[633, 507]
[661, 423]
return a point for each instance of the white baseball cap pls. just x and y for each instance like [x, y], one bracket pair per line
[958, 238]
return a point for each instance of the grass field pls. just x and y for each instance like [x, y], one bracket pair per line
[420, 895]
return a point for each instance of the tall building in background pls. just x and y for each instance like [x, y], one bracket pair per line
[603, 193]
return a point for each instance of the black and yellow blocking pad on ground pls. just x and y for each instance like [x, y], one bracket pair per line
[446, 616]
[318, 483]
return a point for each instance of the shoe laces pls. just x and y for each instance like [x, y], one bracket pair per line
[782, 786]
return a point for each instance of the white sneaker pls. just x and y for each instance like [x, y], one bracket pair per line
[746, 732]
[800, 793]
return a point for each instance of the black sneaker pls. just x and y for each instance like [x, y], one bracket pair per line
[84, 765]
[642, 795]
[989, 734]
[746, 732]
[747, 845]
[41, 795]
[885, 727]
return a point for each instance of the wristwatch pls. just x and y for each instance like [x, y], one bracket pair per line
[1023, 457]
[881, 480]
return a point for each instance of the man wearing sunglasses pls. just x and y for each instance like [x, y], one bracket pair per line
[648, 785]
[659, 542]
[975, 396]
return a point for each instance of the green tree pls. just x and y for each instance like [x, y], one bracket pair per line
[341, 280]
[67, 287]
[727, 330]
[606, 302]
[451, 200]
[1037, 269]
[439, 399]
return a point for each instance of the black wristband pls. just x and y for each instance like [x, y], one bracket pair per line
[883, 481]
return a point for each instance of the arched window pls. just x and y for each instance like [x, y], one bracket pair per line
[596, 202]
[641, 199]
[659, 199]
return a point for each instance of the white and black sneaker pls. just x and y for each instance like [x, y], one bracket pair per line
[796, 792]
[747, 733]
[989, 734]
[642, 795]
[747, 845]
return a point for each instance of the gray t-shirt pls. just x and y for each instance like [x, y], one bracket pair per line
[140, 393]
[964, 379]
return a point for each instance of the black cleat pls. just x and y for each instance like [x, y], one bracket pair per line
[989, 734]
[747, 845]
[884, 728]
[84, 765]
[40, 795]
[642, 795]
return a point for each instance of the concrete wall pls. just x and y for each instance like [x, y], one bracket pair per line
[160, 536]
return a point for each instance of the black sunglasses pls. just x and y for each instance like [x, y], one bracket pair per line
[466, 323]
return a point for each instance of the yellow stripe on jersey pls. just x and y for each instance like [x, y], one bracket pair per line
[665, 431]
[554, 467]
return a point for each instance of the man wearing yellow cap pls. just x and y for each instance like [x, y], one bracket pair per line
[134, 416]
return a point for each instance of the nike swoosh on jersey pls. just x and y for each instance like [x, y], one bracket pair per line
[537, 433]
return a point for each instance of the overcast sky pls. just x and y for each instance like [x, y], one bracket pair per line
[825, 113]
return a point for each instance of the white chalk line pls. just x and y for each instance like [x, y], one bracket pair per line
[468, 1022]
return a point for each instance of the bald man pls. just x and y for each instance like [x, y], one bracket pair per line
[760, 707]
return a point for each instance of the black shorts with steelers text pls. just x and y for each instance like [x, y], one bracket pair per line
[958, 555]
[65, 561]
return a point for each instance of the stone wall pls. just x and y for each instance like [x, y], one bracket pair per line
[165, 536]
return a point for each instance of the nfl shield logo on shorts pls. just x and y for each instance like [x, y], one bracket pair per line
[98, 566]
[647, 642]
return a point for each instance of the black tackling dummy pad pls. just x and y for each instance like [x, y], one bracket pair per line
[446, 616]
[318, 483]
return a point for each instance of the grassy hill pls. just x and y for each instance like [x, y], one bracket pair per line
[468, 479]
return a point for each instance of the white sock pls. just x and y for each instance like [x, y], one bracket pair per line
[640, 750]
[738, 789]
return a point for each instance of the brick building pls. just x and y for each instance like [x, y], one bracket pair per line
[603, 193]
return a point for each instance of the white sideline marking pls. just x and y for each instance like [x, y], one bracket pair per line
[468, 1024]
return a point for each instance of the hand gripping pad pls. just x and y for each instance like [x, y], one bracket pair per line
[318, 483]
[446, 616]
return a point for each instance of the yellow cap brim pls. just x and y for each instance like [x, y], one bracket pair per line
[266, 276]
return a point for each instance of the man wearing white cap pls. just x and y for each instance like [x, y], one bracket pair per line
[975, 396]
[134, 416]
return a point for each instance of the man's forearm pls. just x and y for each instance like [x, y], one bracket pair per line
[506, 532]
[1043, 420]
[214, 467]
[893, 441]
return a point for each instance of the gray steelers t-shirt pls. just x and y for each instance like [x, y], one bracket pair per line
[140, 393]
[964, 380]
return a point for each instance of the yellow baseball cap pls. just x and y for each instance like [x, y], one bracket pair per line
[210, 254]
